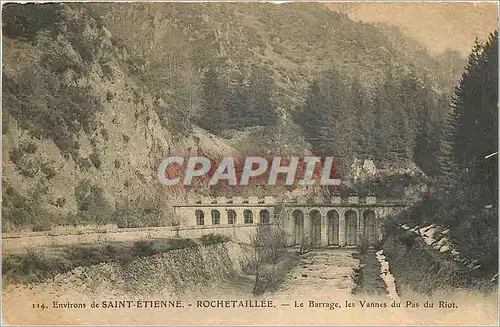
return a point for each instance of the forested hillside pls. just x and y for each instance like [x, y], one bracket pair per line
[258, 64]
[465, 198]
[95, 95]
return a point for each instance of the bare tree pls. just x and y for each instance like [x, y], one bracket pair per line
[269, 244]
[346, 8]
[257, 241]
[277, 239]
[277, 244]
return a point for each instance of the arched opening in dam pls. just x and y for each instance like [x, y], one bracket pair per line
[351, 227]
[298, 226]
[333, 227]
[315, 217]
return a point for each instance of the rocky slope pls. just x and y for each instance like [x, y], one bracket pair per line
[80, 134]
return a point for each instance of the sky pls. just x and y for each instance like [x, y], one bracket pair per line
[440, 26]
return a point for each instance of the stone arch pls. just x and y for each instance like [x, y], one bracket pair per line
[215, 217]
[200, 217]
[298, 226]
[248, 216]
[231, 217]
[315, 232]
[370, 226]
[333, 221]
[351, 227]
[264, 217]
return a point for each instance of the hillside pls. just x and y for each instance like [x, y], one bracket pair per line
[81, 138]
[295, 41]
[96, 95]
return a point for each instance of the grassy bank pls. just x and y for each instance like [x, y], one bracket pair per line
[367, 275]
[419, 268]
[38, 264]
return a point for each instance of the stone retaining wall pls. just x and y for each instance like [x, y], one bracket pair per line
[240, 233]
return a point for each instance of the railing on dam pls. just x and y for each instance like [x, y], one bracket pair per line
[314, 201]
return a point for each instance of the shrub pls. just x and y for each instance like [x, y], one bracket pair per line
[91, 203]
[143, 248]
[29, 147]
[42, 226]
[181, 243]
[407, 239]
[54, 115]
[87, 255]
[107, 70]
[47, 170]
[391, 225]
[29, 169]
[109, 96]
[34, 266]
[91, 255]
[34, 262]
[94, 158]
[145, 210]
[25, 20]
[23, 210]
[104, 134]
[16, 155]
[363, 245]
[378, 245]
[213, 239]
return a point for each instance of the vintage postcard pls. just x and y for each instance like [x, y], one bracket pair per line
[250, 163]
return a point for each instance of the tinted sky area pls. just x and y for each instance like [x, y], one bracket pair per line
[437, 25]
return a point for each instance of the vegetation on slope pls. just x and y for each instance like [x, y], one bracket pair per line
[60, 124]
[465, 196]
[257, 60]
[37, 265]
[94, 95]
